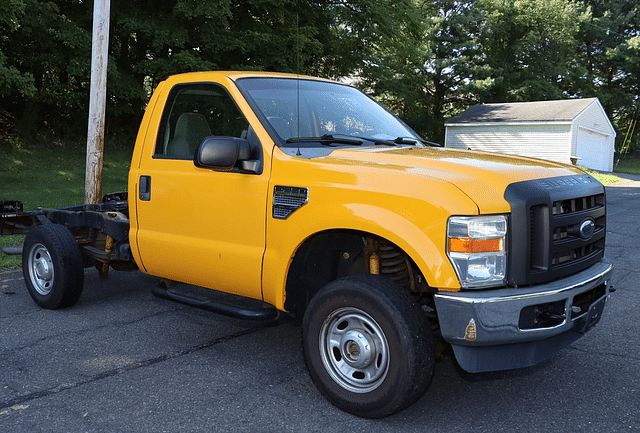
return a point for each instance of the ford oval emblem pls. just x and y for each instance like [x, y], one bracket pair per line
[587, 228]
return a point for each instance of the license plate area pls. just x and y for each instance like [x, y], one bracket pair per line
[588, 320]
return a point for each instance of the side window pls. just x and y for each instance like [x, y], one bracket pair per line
[193, 112]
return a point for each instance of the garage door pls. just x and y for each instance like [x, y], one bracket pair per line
[593, 151]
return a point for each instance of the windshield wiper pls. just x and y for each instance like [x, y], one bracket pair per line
[413, 140]
[405, 140]
[330, 139]
[375, 140]
[326, 139]
[399, 141]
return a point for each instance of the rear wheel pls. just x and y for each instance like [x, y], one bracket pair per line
[52, 266]
[368, 346]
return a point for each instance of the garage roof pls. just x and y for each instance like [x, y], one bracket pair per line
[540, 111]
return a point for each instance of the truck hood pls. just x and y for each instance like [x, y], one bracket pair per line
[482, 176]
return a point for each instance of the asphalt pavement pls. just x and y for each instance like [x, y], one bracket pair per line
[122, 360]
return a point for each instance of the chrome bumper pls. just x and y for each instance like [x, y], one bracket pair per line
[484, 329]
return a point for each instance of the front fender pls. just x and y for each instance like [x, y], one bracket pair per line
[422, 235]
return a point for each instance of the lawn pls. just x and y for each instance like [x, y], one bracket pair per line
[53, 176]
[603, 178]
[629, 163]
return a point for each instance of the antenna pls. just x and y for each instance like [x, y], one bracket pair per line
[298, 41]
[298, 72]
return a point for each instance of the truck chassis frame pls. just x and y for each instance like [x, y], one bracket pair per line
[101, 230]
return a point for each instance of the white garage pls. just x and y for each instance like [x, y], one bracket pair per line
[566, 131]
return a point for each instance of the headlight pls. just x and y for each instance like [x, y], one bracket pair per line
[476, 248]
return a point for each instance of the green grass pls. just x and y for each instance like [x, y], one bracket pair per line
[53, 176]
[629, 163]
[603, 178]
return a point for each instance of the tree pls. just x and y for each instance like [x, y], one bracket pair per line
[45, 47]
[427, 60]
[527, 47]
[49, 52]
[423, 75]
[13, 83]
[609, 52]
[476, 51]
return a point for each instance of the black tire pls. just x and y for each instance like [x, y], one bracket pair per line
[52, 266]
[368, 346]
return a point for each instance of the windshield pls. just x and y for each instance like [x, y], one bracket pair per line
[300, 110]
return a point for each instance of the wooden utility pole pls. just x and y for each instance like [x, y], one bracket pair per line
[97, 102]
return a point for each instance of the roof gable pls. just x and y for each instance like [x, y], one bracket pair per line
[540, 111]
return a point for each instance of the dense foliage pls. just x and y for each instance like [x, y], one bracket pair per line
[427, 60]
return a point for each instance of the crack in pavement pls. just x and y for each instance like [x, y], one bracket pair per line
[78, 332]
[116, 371]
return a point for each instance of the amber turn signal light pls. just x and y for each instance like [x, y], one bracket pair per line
[469, 245]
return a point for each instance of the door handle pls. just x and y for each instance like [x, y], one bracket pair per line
[145, 188]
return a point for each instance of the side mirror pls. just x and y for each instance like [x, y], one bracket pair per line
[222, 153]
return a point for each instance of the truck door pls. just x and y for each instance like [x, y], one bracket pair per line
[197, 225]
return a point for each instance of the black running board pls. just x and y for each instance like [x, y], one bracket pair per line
[262, 310]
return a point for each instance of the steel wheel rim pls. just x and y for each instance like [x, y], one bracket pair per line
[41, 269]
[354, 350]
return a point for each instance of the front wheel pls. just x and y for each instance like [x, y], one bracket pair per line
[368, 346]
[52, 266]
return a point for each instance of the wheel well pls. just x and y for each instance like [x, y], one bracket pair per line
[334, 254]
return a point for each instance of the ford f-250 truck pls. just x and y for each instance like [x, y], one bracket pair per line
[307, 195]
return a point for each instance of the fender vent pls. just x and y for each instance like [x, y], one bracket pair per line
[288, 199]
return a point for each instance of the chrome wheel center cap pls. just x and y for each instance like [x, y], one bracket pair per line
[43, 270]
[357, 349]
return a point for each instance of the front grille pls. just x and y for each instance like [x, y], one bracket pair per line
[572, 205]
[567, 215]
[557, 228]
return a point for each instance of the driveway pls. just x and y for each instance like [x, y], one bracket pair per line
[124, 361]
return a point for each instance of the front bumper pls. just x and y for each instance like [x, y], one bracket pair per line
[486, 330]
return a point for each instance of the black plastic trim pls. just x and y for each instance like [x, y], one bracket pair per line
[543, 243]
[263, 311]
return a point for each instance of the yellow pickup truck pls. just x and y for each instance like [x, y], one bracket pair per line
[308, 196]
